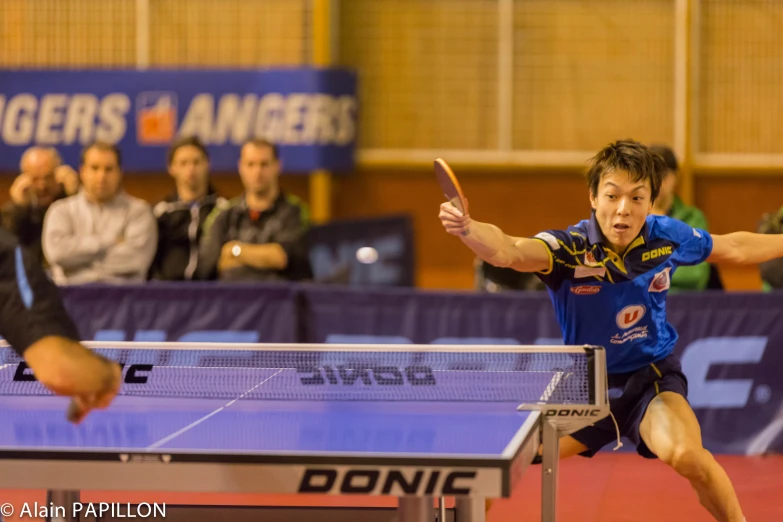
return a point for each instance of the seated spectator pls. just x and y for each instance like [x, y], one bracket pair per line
[181, 215]
[42, 181]
[261, 236]
[686, 278]
[101, 234]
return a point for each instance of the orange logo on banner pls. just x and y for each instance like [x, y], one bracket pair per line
[156, 118]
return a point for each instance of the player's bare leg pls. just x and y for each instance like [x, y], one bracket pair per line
[569, 447]
[671, 431]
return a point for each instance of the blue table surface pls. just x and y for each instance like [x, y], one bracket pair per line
[263, 427]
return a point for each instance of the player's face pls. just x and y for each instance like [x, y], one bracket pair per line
[40, 167]
[101, 175]
[190, 168]
[258, 169]
[621, 208]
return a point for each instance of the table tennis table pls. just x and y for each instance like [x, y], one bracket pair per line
[415, 422]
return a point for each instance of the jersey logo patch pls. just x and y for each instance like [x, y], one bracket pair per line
[550, 240]
[583, 271]
[590, 260]
[585, 289]
[630, 315]
[661, 282]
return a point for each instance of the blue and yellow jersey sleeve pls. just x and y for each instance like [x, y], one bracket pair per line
[692, 246]
[566, 250]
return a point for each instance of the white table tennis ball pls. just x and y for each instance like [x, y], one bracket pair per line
[367, 255]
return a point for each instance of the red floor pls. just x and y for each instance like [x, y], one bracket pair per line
[627, 488]
[608, 488]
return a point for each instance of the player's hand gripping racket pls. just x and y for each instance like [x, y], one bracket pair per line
[450, 186]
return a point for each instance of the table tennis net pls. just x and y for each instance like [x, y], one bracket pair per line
[377, 373]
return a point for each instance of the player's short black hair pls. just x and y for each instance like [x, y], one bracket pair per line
[262, 143]
[631, 156]
[668, 156]
[101, 145]
[185, 141]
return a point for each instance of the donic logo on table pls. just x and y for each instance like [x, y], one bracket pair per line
[136, 373]
[385, 481]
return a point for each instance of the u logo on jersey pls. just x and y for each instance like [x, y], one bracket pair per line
[630, 315]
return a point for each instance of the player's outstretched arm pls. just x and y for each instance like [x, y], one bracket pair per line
[494, 246]
[745, 248]
[68, 368]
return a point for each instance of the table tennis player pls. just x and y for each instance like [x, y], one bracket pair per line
[608, 278]
[35, 323]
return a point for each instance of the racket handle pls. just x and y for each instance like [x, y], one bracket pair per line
[74, 411]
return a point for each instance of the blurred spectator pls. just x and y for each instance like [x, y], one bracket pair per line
[686, 278]
[262, 235]
[101, 234]
[772, 271]
[181, 215]
[42, 181]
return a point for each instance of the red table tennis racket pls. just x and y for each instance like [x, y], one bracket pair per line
[450, 186]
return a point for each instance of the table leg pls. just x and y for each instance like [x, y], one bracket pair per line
[60, 506]
[470, 509]
[415, 509]
[549, 464]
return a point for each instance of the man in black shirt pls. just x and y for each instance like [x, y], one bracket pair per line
[33, 320]
[261, 235]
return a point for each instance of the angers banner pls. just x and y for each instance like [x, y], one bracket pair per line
[310, 113]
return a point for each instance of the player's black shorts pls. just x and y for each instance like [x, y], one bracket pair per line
[629, 396]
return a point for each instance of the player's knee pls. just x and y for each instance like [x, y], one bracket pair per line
[689, 460]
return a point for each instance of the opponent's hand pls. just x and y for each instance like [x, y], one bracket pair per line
[453, 220]
[81, 405]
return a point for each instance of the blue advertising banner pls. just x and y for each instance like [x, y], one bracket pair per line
[730, 345]
[195, 312]
[310, 113]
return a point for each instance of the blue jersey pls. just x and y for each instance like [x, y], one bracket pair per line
[619, 302]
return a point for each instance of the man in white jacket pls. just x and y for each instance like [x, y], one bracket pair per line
[101, 234]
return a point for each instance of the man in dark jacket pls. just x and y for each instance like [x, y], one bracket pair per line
[181, 215]
[263, 234]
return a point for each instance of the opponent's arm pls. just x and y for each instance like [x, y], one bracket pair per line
[745, 248]
[34, 321]
[494, 246]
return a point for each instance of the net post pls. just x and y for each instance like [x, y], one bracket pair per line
[470, 509]
[549, 468]
[415, 509]
[62, 506]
